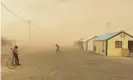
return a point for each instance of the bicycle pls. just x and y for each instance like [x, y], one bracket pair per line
[11, 63]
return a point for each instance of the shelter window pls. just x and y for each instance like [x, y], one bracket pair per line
[118, 44]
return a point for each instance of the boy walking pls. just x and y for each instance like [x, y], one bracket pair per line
[15, 54]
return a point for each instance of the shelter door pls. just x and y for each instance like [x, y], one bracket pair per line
[130, 46]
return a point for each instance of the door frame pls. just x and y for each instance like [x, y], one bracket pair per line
[128, 44]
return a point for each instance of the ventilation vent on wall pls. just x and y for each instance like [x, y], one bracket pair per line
[122, 35]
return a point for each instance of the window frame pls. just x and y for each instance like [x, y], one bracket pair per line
[118, 44]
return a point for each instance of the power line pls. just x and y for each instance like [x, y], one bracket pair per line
[13, 13]
[128, 29]
[27, 21]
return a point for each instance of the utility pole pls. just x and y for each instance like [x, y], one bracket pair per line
[29, 24]
[107, 26]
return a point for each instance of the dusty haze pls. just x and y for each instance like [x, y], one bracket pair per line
[63, 21]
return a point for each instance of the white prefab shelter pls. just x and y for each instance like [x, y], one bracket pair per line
[88, 43]
[76, 44]
[79, 44]
[84, 43]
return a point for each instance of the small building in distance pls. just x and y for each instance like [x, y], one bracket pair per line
[114, 44]
[79, 43]
[88, 43]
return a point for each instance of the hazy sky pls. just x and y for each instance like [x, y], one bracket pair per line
[66, 20]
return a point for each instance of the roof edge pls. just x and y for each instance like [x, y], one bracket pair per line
[91, 38]
[112, 36]
[120, 33]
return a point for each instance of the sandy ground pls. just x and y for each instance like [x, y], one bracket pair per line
[70, 64]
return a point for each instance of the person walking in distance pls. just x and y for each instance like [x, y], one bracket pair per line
[57, 48]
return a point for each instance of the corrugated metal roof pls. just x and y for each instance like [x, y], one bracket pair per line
[107, 36]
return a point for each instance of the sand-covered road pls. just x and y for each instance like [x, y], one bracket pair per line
[70, 64]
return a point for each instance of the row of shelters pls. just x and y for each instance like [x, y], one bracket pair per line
[110, 44]
[88, 43]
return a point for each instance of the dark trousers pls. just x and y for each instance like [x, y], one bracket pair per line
[16, 58]
[57, 50]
